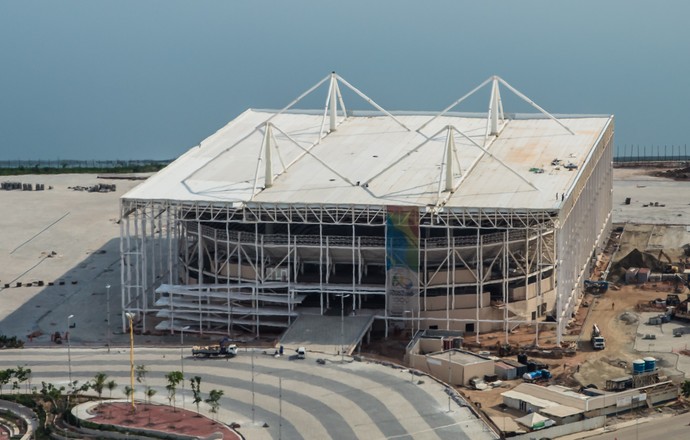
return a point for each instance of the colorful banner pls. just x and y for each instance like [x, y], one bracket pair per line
[402, 237]
[402, 258]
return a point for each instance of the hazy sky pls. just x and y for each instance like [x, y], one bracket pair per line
[149, 79]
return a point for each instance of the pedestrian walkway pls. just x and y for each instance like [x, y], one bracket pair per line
[327, 334]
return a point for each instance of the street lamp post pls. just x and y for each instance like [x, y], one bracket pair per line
[186, 327]
[253, 407]
[342, 326]
[280, 408]
[130, 317]
[69, 352]
[107, 308]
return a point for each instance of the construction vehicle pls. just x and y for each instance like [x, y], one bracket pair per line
[672, 300]
[682, 311]
[223, 349]
[592, 286]
[670, 267]
[598, 340]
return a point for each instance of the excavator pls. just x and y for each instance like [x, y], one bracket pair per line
[668, 267]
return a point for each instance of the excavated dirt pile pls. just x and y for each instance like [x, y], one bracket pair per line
[629, 318]
[675, 174]
[634, 259]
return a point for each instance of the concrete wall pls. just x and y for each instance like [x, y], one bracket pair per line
[466, 301]
[459, 374]
[428, 345]
[488, 313]
[530, 291]
[561, 430]
[443, 277]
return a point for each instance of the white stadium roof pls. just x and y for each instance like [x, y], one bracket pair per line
[379, 158]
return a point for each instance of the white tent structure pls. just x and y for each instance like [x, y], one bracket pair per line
[535, 421]
[463, 221]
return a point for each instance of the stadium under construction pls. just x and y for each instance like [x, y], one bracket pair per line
[461, 221]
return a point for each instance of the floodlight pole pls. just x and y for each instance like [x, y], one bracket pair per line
[450, 378]
[69, 353]
[253, 407]
[107, 308]
[130, 317]
[186, 327]
[280, 408]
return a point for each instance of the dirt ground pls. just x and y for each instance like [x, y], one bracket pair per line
[616, 312]
[160, 418]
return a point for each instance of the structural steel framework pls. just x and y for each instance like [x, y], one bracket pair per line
[212, 267]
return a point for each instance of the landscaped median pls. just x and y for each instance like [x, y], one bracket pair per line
[115, 419]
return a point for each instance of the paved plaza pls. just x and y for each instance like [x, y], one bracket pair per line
[302, 398]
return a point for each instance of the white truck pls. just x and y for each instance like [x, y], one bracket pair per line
[224, 349]
[598, 340]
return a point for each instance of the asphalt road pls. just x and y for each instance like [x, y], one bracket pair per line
[667, 428]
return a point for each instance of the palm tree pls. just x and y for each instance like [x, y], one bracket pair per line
[111, 385]
[128, 391]
[150, 392]
[99, 383]
[173, 378]
[214, 401]
[196, 390]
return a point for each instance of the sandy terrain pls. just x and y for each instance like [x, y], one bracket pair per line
[58, 236]
[647, 229]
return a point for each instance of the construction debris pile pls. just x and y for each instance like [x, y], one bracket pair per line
[675, 174]
[10, 186]
[99, 187]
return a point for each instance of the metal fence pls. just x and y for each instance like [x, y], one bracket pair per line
[64, 163]
[651, 153]
[622, 154]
